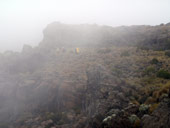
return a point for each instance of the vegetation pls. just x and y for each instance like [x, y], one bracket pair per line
[154, 61]
[150, 70]
[124, 53]
[163, 74]
[52, 86]
[167, 53]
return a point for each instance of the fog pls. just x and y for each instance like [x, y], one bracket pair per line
[86, 64]
[22, 21]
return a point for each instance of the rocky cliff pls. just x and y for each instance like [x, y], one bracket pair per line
[146, 37]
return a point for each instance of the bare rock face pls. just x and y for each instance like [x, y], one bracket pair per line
[62, 35]
[160, 118]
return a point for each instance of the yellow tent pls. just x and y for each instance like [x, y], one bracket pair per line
[77, 50]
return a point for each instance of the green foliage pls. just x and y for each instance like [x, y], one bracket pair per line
[60, 122]
[54, 116]
[144, 108]
[133, 118]
[167, 53]
[163, 74]
[149, 79]
[149, 70]
[154, 61]
[77, 109]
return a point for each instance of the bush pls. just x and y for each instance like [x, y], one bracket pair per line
[153, 107]
[149, 70]
[133, 118]
[150, 100]
[125, 53]
[143, 48]
[156, 94]
[53, 116]
[144, 108]
[143, 99]
[135, 102]
[163, 74]
[167, 53]
[154, 61]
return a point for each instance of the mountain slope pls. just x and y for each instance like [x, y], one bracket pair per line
[111, 83]
[148, 37]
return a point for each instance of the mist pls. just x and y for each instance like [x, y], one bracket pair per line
[22, 22]
[84, 64]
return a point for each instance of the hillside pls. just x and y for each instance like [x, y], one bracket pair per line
[119, 79]
[146, 37]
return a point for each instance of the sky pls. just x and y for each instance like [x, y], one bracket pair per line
[22, 21]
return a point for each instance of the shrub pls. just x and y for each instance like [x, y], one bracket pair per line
[125, 53]
[154, 61]
[143, 99]
[164, 91]
[164, 95]
[150, 100]
[144, 108]
[153, 107]
[155, 95]
[53, 116]
[77, 110]
[143, 48]
[167, 53]
[133, 119]
[163, 74]
[135, 102]
[149, 70]
[137, 123]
